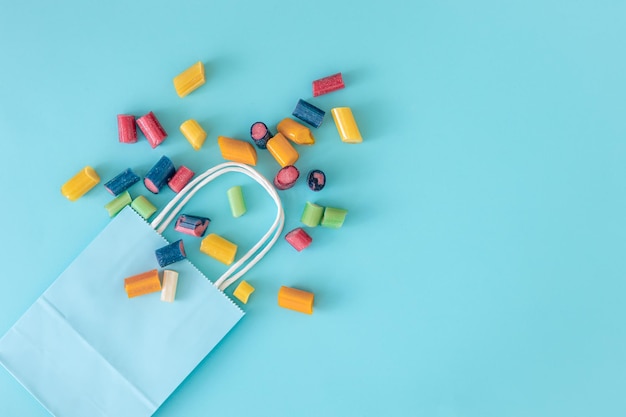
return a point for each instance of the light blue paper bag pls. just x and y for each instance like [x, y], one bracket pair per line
[85, 349]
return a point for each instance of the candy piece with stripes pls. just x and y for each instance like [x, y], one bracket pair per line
[192, 225]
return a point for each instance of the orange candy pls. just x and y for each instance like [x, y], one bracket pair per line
[237, 150]
[143, 283]
[297, 300]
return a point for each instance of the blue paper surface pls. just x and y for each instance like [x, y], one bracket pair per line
[85, 349]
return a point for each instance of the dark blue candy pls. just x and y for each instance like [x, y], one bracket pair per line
[121, 182]
[308, 113]
[171, 253]
[316, 179]
[260, 134]
[159, 175]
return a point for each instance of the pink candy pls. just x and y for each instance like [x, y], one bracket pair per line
[298, 238]
[152, 129]
[180, 179]
[126, 129]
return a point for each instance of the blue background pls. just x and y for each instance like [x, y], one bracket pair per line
[480, 270]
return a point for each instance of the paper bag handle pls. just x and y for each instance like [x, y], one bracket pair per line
[163, 219]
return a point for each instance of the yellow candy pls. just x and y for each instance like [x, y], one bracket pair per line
[190, 79]
[194, 133]
[282, 151]
[219, 248]
[80, 183]
[344, 120]
[295, 299]
[237, 150]
[296, 132]
[243, 291]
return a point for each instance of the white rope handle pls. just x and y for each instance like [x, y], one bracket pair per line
[170, 211]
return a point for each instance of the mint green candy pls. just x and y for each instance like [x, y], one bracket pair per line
[143, 207]
[118, 203]
[235, 198]
[333, 217]
[312, 214]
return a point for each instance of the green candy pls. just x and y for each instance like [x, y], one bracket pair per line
[312, 214]
[235, 198]
[143, 207]
[333, 217]
[118, 203]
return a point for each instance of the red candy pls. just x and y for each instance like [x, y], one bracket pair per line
[298, 238]
[180, 179]
[126, 128]
[152, 129]
[286, 177]
[328, 84]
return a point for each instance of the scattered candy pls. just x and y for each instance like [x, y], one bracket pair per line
[170, 282]
[143, 207]
[122, 182]
[237, 150]
[190, 79]
[194, 133]
[159, 175]
[286, 177]
[192, 225]
[243, 291]
[118, 203]
[282, 151]
[236, 201]
[260, 134]
[308, 113]
[79, 184]
[219, 248]
[126, 128]
[143, 283]
[312, 214]
[171, 253]
[316, 180]
[295, 299]
[346, 125]
[333, 217]
[298, 238]
[296, 132]
[152, 129]
[180, 179]
[328, 84]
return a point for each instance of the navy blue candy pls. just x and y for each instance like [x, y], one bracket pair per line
[121, 182]
[308, 113]
[260, 134]
[316, 180]
[159, 175]
[171, 253]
